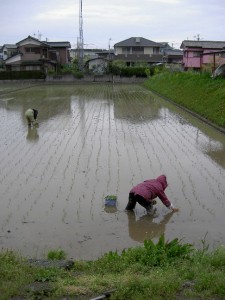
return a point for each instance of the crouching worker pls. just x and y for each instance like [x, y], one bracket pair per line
[31, 116]
[144, 193]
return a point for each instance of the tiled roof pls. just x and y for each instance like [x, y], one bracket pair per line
[50, 44]
[10, 46]
[174, 52]
[30, 38]
[59, 44]
[137, 41]
[203, 44]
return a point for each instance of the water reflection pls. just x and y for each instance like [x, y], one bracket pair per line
[44, 99]
[32, 134]
[137, 111]
[110, 209]
[213, 146]
[208, 140]
[145, 227]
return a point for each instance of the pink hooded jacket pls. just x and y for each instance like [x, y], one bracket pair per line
[152, 188]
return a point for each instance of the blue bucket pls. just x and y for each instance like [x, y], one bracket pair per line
[110, 200]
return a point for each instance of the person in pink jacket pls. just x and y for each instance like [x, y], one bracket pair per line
[144, 193]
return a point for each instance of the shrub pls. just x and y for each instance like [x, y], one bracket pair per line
[17, 75]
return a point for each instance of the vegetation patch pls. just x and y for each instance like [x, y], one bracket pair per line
[195, 91]
[17, 75]
[162, 270]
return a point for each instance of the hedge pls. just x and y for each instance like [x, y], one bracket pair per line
[17, 75]
[132, 71]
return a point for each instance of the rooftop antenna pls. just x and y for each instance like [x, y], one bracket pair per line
[197, 36]
[39, 35]
[81, 38]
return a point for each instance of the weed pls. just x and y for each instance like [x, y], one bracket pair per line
[56, 254]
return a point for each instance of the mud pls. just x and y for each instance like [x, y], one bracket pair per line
[98, 140]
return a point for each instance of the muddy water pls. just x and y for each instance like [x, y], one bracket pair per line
[95, 140]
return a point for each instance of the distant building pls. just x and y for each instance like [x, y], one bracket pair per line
[9, 50]
[1, 55]
[138, 50]
[33, 54]
[171, 55]
[88, 53]
[203, 54]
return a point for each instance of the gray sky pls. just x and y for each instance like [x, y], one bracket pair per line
[158, 20]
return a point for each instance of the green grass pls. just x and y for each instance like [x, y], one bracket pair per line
[164, 270]
[197, 92]
[56, 254]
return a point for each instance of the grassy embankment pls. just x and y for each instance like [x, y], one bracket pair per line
[166, 270]
[196, 92]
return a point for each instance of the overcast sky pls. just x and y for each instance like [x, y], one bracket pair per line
[110, 21]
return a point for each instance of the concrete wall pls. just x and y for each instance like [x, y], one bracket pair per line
[92, 78]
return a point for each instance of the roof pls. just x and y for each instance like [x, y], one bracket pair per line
[10, 46]
[50, 44]
[31, 62]
[175, 52]
[165, 45]
[137, 41]
[98, 59]
[59, 44]
[203, 44]
[31, 38]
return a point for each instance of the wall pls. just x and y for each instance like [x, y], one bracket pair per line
[92, 78]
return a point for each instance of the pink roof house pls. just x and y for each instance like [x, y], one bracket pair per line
[199, 55]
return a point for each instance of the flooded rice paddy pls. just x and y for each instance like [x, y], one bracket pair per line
[96, 140]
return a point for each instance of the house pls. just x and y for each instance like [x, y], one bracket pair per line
[138, 50]
[107, 54]
[199, 55]
[97, 66]
[88, 53]
[94, 57]
[8, 50]
[171, 55]
[95, 60]
[1, 56]
[33, 54]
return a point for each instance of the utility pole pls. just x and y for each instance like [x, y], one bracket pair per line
[109, 56]
[81, 39]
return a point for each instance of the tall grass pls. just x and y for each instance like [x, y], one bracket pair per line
[197, 92]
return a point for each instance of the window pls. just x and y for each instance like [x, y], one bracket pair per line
[32, 50]
[155, 50]
[138, 50]
[196, 53]
[31, 68]
[126, 50]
